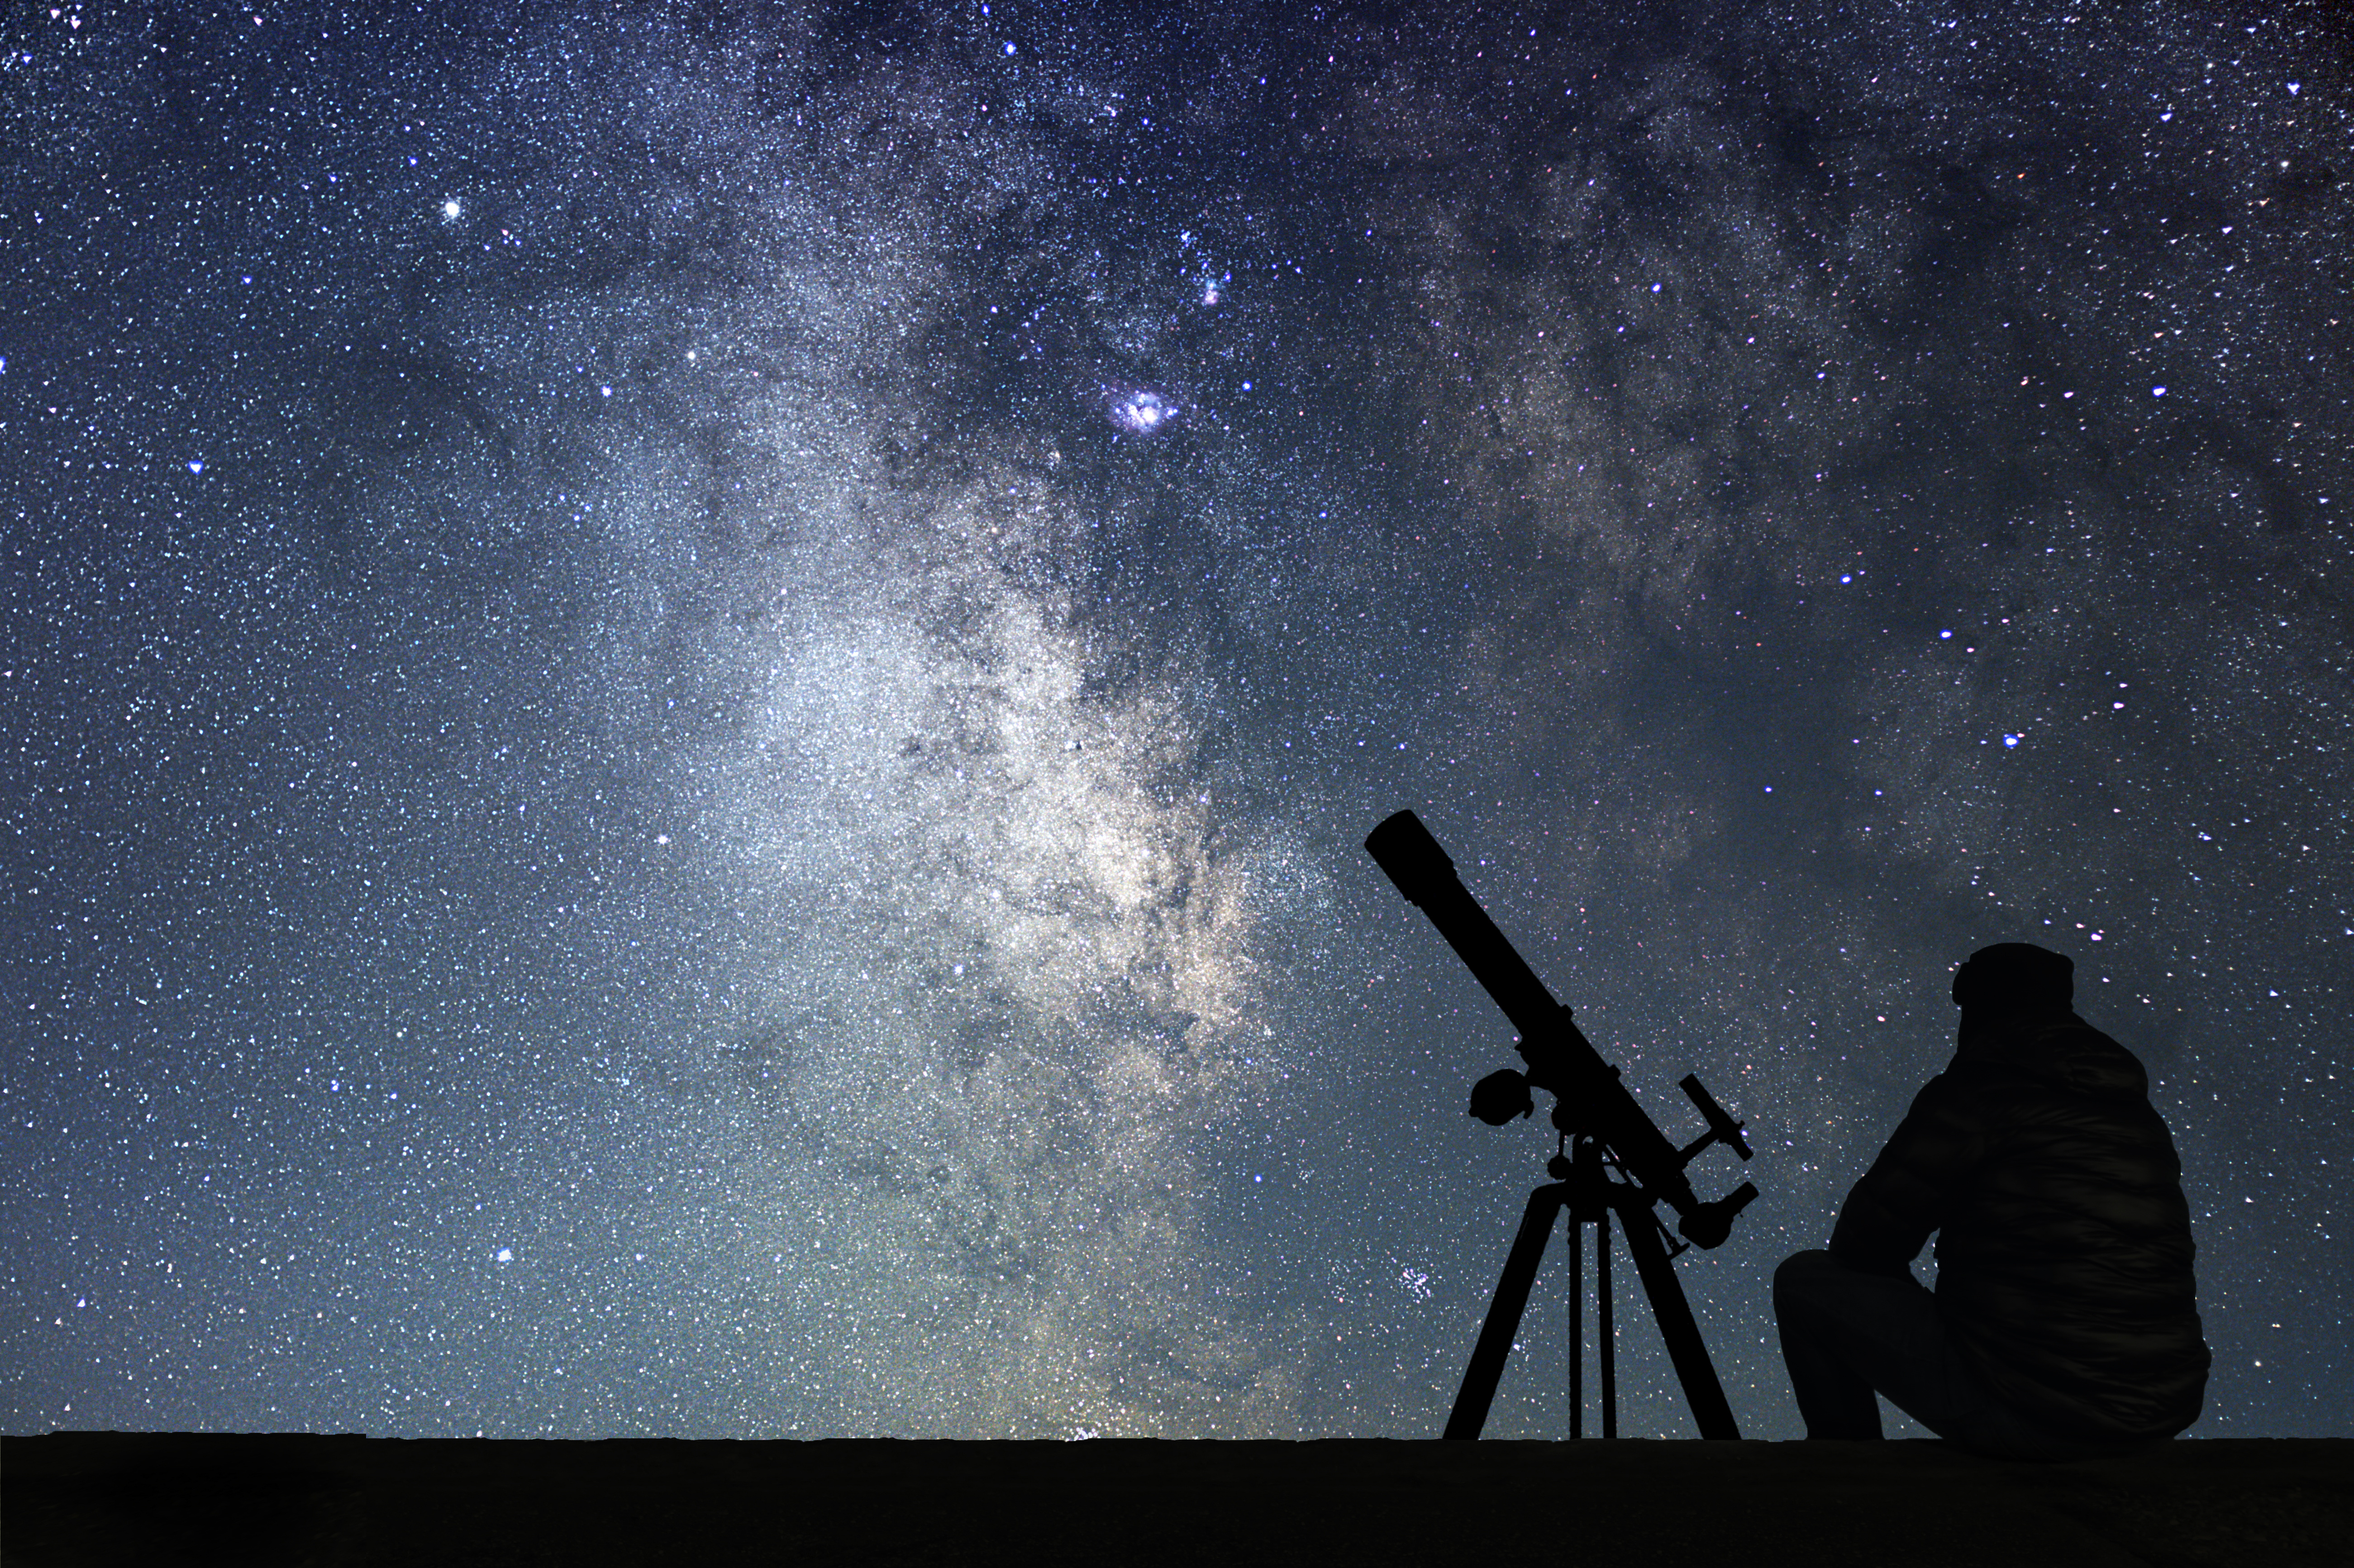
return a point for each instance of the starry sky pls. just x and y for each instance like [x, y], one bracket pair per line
[690, 692]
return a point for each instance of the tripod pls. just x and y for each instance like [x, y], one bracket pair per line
[1583, 1185]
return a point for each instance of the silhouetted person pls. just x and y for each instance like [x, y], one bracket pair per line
[2064, 1323]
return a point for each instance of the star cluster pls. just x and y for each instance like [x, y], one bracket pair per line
[690, 692]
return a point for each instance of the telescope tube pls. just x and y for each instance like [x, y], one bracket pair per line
[1592, 1099]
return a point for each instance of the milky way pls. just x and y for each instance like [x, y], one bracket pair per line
[692, 692]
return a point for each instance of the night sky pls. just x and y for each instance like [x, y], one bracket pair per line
[690, 694]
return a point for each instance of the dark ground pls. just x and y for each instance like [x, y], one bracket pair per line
[105, 1498]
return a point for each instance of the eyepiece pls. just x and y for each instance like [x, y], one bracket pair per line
[1410, 857]
[1710, 1223]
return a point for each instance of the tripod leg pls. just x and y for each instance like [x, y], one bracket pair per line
[1504, 1309]
[1576, 1325]
[1605, 1334]
[1669, 1305]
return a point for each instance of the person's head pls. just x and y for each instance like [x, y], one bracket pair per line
[2013, 978]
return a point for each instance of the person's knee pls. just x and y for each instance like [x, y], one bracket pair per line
[1796, 1272]
[1815, 1288]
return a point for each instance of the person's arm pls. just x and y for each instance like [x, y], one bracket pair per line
[1889, 1213]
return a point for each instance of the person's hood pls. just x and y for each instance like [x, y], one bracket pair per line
[2055, 1045]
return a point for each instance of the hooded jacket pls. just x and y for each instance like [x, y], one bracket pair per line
[2064, 1251]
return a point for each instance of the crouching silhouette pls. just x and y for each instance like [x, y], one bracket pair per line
[2064, 1323]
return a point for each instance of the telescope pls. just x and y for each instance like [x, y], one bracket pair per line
[1602, 1129]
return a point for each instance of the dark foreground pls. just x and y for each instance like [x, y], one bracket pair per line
[104, 1497]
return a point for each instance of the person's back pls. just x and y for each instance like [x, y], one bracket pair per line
[2064, 1252]
[2064, 1318]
